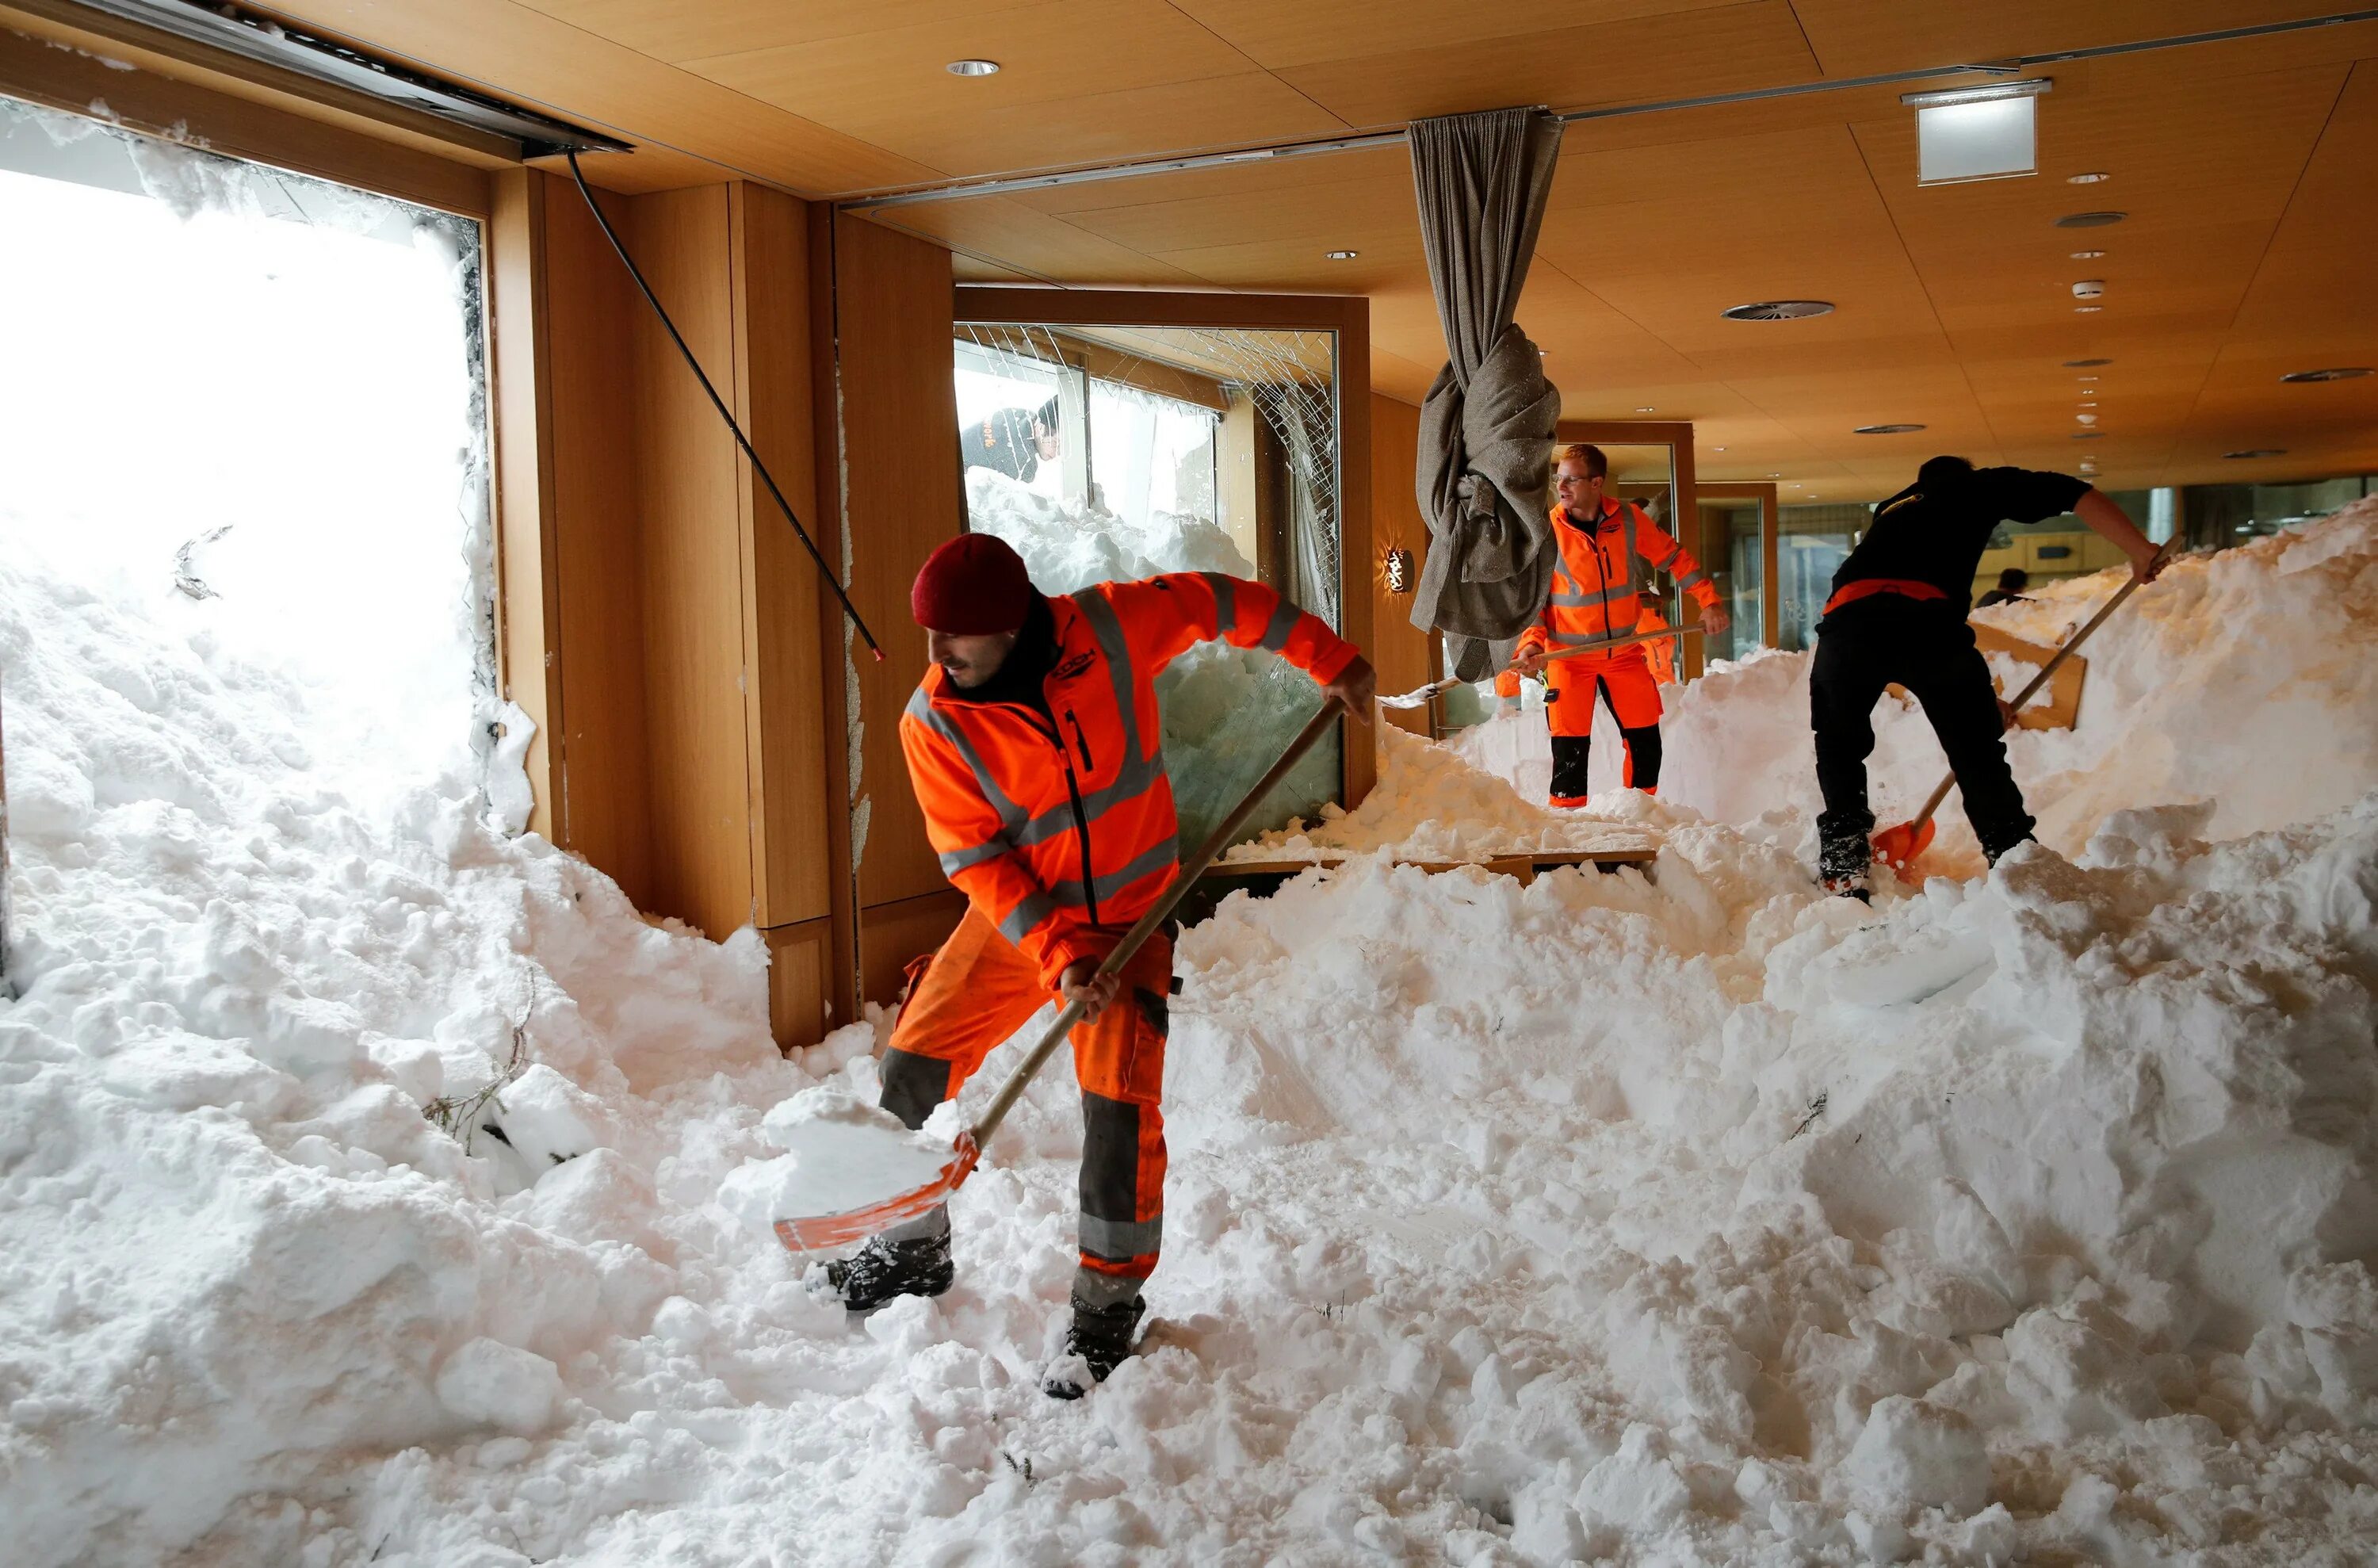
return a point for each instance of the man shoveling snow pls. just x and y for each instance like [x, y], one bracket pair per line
[1898, 614]
[1033, 746]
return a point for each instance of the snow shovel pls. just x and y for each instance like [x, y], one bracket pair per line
[1899, 844]
[823, 1231]
[1414, 699]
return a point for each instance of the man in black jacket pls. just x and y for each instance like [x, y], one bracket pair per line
[1897, 615]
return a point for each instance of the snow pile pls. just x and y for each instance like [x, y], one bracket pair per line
[1228, 711]
[1705, 1220]
[1065, 549]
[841, 1153]
[1429, 804]
[233, 1246]
[360, 1188]
[2248, 679]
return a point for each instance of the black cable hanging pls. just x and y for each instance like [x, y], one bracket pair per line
[832, 579]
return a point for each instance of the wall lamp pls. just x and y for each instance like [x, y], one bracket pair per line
[1977, 133]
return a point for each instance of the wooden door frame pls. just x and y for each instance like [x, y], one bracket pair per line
[1348, 315]
[1677, 436]
[1771, 614]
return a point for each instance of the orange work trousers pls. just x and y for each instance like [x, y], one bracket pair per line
[976, 992]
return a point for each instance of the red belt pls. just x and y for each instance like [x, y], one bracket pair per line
[1865, 587]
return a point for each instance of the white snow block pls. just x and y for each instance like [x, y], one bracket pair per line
[549, 1119]
[489, 1383]
[1911, 1454]
[1635, 1489]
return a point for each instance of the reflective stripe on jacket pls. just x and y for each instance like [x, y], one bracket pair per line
[1057, 825]
[1594, 593]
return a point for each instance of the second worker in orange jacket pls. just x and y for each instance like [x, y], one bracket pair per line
[1597, 594]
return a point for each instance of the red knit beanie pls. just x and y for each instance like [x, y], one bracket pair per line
[972, 586]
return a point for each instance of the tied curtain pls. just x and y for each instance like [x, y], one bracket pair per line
[1487, 424]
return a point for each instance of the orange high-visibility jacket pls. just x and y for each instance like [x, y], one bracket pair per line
[1055, 825]
[1595, 594]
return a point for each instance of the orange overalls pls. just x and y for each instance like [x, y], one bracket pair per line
[1594, 597]
[1056, 821]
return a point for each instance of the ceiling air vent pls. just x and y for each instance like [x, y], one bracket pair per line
[1886, 429]
[2089, 220]
[2255, 452]
[2342, 373]
[2084, 364]
[1779, 310]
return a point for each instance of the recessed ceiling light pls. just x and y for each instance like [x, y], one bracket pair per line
[1717, 449]
[2257, 451]
[1778, 477]
[2086, 418]
[2084, 365]
[2096, 178]
[2341, 373]
[2086, 435]
[2086, 255]
[1349, 255]
[1647, 410]
[2086, 309]
[2084, 378]
[972, 68]
[2089, 220]
[1778, 310]
[1885, 430]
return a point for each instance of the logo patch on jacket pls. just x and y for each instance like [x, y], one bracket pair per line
[1071, 668]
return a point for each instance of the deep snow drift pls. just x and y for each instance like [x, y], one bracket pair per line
[1688, 1219]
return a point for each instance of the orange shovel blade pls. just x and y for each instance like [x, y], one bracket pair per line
[1898, 845]
[824, 1232]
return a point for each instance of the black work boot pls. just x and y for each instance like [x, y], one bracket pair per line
[885, 1270]
[1102, 1337]
[1843, 860]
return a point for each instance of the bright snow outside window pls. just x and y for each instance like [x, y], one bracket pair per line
[250, 406]
[1108, 453]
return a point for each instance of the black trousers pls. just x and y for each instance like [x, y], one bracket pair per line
[1570, 754]
[1927, 648]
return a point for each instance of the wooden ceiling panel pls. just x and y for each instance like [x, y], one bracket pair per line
[1590, 342]
[1285, 178]
[675, 31]
[1334, 216]
[1048, 54]
[1045, 249]
[1109, 125]
[1278, 35]
[1854, 37]
[1296, 266]
[537, 61]
[2245, 168]
[1745, 178]
[1682, 54]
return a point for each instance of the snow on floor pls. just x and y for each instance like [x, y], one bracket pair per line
[1683, 1218]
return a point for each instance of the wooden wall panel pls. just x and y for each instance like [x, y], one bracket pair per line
[602, 807]
[689, 557]
[1403, 653]
[528, 582]
[783, 642]
[891, 935]
[893, 321]
[801, 959]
